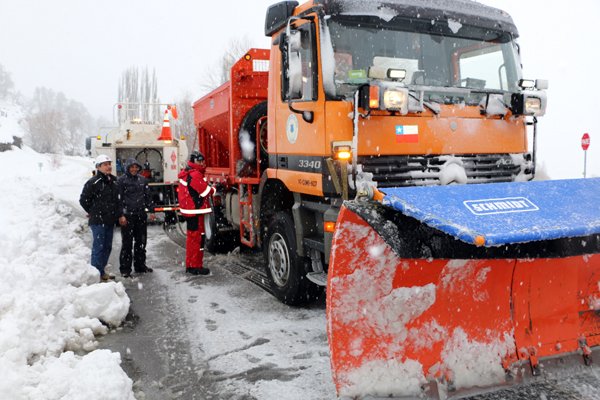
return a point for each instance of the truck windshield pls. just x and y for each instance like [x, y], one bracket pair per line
[433, 54]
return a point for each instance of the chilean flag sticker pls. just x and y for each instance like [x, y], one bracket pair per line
[407, 134]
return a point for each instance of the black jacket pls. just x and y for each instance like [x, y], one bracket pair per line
[134, 192]
[100, 199]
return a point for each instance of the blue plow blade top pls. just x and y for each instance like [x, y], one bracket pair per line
[504, 213]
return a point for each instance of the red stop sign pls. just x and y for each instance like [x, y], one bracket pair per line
[585, 141]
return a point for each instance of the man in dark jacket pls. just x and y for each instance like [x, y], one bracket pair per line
[135, 200]
[193, 193]
[100, 199]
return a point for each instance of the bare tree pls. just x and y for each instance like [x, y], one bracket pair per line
[6, 82]
[183, 126]
[45, 120]
[101, 122]
[57, 124]
[219, 74]
[78, 125]
[136, 90]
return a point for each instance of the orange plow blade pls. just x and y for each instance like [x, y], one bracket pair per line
[412, 311]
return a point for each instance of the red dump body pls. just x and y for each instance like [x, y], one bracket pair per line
[219, 114]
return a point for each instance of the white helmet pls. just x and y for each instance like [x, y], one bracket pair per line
[102, 158]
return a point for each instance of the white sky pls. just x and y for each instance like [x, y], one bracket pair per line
[81, 48]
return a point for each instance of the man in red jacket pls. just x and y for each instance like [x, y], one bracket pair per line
[193, 193]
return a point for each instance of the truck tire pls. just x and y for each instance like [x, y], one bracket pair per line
[175, 228]
[285, 269]
[218, 241]
[247, 165]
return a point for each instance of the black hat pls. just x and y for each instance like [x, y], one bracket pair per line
[196, 156]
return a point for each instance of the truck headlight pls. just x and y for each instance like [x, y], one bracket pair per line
[529, 102]
[533, 105]
[396, 100]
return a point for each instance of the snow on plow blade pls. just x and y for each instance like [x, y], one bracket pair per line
[445, 289]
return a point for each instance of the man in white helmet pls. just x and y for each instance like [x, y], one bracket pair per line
[100, 199]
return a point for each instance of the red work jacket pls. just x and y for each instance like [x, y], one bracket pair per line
[193, 191]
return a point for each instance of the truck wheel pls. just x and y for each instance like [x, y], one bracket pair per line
[285, 268]
[218, 241]
[248, 163]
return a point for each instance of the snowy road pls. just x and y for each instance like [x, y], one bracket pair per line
[224, 337]
[217, 337]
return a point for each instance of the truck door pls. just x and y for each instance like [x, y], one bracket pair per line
[300, 122]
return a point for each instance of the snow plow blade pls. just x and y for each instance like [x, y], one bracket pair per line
[444, 290]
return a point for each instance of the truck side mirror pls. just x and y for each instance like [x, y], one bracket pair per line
[277, 16]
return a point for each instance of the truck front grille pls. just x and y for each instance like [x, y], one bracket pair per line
[394, 171]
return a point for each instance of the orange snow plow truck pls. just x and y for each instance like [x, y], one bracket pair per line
[385, 150]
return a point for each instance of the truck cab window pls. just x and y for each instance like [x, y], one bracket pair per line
[483, 68]
[300, 60]
[431, 55]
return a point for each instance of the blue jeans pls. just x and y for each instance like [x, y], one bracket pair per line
[102, 236]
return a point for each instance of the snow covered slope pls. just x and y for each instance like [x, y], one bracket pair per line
[10, 116]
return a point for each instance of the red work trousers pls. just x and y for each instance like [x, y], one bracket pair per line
[194, 245]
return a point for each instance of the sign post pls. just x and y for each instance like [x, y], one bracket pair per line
[585, 144]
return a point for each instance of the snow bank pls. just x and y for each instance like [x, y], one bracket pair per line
[69, 377]
[50, 298]
[10, 115]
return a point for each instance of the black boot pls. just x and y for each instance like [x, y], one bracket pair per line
[198, 271]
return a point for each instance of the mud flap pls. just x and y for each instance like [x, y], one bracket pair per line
[411, 300]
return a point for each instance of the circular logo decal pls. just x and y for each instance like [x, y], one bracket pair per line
[291, 128]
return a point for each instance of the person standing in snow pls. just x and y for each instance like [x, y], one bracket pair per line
[135, 200]
[193, 193]
[100, 200]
